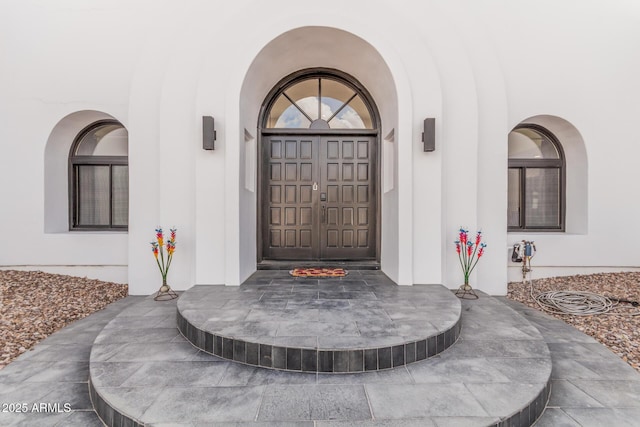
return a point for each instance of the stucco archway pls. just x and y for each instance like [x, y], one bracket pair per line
[314, 47]
[56, 185]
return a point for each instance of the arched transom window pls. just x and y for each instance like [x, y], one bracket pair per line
[319, 102]
[99, 175]
[536, 180]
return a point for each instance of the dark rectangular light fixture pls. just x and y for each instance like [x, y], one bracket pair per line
[429, 134]
[208, 133]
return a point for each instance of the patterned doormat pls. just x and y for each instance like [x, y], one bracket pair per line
[318, 272]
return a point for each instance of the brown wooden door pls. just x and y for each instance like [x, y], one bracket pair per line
[318, 198]
[348, 212]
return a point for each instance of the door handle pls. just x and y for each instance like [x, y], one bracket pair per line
[323, 211]
[315, 186]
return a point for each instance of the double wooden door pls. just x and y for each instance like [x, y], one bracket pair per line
[319, 197]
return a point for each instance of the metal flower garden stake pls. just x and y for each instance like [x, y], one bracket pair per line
[469, 253]
[165, 292]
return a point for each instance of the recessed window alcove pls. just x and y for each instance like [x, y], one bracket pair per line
[92, 139]
[554, 152]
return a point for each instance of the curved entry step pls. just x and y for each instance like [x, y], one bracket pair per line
[362, 322]
[143, 372]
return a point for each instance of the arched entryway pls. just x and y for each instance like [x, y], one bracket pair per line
[319, 170]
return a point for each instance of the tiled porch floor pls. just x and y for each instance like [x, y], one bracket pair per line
[151, 374]
[590, 385]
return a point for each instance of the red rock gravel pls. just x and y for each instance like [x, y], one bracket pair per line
[33, 305]
[619, 329]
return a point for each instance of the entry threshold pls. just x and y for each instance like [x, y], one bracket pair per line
[290, 265]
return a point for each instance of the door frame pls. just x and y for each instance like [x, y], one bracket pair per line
[263, 132]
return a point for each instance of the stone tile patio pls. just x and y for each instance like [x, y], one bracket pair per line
[590, 386]
[166, 381]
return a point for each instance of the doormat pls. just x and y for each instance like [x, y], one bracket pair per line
[318, 272]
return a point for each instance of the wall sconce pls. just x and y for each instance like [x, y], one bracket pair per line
[208, 133]
[429, 134]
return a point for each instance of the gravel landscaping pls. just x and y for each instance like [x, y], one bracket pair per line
[33, 305]
[618, 329]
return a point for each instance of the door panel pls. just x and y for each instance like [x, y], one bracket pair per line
[348, 215]
[290, 229]
[319, 198]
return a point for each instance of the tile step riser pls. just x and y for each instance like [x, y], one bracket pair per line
[299, 359]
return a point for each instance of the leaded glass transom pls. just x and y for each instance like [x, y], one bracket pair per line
[319, 103]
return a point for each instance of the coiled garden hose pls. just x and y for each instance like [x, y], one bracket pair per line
[579, 303]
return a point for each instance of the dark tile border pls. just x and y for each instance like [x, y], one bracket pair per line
[528, 415]
[110, 416]
[300, 359]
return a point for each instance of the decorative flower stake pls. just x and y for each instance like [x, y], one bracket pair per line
[469, 253]
[165, 292]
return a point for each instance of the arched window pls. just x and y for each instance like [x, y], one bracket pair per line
[319, 101]
[99, 177]
[536, 196]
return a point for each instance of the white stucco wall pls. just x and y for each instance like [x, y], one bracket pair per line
[479, 68]
[579, 67]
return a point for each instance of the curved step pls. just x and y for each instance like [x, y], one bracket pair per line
[334, 326]
[143, 372]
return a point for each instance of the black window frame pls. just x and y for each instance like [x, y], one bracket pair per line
[523, 164]
[320, 74]
[75, 162]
